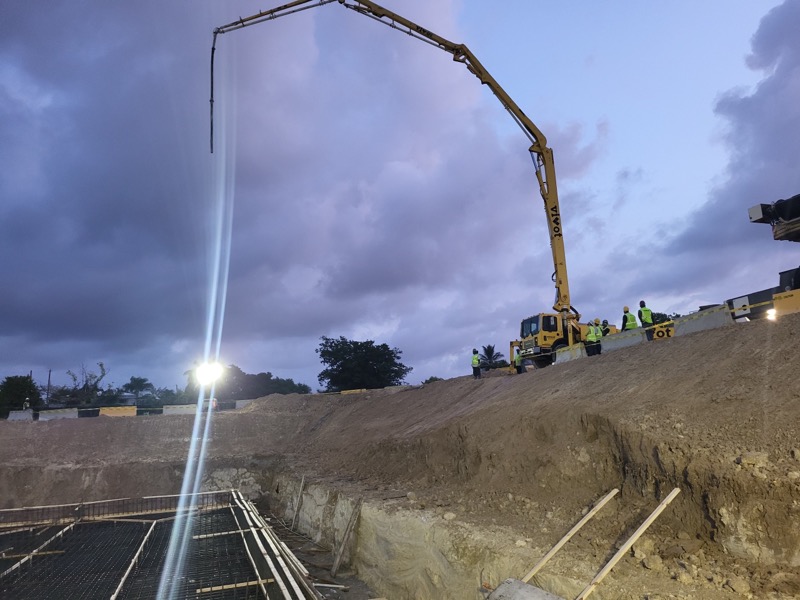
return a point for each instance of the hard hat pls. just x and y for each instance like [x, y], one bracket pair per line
[605, 321]
[597, 321]
[625, 309]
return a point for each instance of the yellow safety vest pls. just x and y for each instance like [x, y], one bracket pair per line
[630, 321]
[647, 316]
[476, 360]
[591, 334]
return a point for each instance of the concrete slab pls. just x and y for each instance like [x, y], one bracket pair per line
[514, 589]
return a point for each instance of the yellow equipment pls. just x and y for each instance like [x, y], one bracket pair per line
[783, 215]
[543, 333]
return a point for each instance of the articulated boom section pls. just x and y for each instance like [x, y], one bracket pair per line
[541, 154]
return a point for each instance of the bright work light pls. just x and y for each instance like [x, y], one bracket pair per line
[208, 373]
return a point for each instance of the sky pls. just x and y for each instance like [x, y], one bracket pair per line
[365, 185]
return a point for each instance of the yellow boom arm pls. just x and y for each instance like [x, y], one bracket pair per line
[540, 153]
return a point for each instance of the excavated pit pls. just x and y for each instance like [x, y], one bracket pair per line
[465, 483]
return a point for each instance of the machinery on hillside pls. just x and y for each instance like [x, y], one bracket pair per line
[771, 302]
[783, 215]
[542, 334]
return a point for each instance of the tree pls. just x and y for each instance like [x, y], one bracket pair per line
[235, 384]
[137, 385]
[432, 379]
[355, 365]
[659, 317]
[491, 359]
[15, 391]
[86, 387]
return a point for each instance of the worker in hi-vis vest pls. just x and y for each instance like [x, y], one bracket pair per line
[646, 318]
[518, 362]
[476, 364]
[598, 334]
[591, 340]
[628, 320]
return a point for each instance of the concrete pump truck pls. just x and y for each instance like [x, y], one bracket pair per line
[542, 334]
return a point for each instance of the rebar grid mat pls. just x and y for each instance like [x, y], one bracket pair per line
[117, 549]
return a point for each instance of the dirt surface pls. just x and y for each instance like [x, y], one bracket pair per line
[714, 414]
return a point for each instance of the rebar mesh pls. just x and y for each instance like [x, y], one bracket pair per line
[117, 549]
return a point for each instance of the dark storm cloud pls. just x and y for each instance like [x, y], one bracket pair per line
[374, 196]
[98, 221]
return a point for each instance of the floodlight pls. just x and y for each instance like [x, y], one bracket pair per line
[208, 373]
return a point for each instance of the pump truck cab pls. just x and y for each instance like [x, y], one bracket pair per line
[541, 334]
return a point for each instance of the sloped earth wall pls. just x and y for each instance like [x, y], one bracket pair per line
[469, 482]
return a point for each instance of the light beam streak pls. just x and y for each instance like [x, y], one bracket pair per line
[173, 574]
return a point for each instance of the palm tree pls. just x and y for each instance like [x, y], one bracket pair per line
[490, 358]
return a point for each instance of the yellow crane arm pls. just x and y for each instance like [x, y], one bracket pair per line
[541, 154]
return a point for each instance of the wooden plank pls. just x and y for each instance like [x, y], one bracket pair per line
[347, 532]
[231, 586]
[569, 535]
[627, 545]
[299, 498]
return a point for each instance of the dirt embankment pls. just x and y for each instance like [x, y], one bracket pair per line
[714, 413]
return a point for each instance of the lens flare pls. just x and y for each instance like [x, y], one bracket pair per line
[171, 584]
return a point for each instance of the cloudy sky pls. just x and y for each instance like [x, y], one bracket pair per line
[371, 186]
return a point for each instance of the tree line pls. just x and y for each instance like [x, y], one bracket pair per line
[348, 365]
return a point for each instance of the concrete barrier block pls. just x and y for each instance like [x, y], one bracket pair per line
[570, 353]
[20, 415]
[242, 403]
[118, 411]
[710, 318]
[180, 409]
[623, 339]
[60, 413]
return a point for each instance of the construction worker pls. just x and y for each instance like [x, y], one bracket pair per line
[476, 364]
[628, 320]
[605, 328]
[646, 319]
[598, 334]
[518, 362]
[592, 341]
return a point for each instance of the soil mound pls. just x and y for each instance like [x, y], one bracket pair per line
[713, 413]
